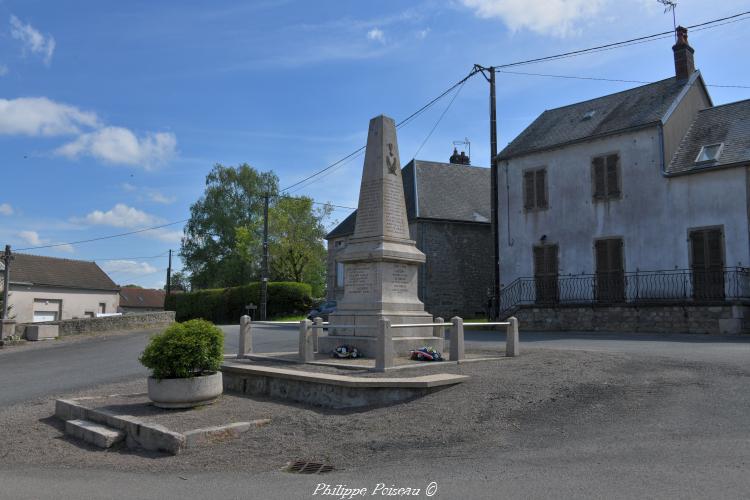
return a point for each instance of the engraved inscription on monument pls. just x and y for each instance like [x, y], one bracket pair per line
[359, 279]
[401, 279]
[393, 209]
[367, 220]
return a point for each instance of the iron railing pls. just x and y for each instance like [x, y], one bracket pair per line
[678, 285]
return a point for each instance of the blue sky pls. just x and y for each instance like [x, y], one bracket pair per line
[112, 113]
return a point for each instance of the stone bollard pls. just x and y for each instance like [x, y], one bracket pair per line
[305, 341]
[438, 331]
[384, 347]
[246, 337]
[316, 331]
[7, 329]
[511, 338]
[457, 339]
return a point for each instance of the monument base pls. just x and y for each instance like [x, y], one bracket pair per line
[365, 323]
[367, 345]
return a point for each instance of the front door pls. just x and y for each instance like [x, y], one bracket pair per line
[610, 270]
[707, 256]
[546, 274]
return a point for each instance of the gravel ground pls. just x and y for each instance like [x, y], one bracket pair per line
[521, 402]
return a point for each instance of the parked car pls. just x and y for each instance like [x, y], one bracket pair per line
[323, 310]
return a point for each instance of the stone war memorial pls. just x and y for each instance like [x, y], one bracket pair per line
[381, 262]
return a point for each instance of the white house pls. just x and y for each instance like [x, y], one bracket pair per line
[51, 289]
[636, 197]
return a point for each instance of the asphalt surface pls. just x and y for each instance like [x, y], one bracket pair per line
[694, 442]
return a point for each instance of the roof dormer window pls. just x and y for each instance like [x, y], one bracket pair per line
[588, 115]
[710, 152]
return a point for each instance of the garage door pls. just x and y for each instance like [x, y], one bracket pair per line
[45, 316]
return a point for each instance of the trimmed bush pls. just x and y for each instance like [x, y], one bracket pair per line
[185, 350]
[226, 305]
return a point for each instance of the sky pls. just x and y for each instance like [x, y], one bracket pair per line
[112, 113]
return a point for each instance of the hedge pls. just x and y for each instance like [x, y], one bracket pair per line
[225, 305]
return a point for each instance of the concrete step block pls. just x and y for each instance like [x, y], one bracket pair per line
[93, 433]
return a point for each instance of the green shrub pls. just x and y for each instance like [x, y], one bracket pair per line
[185, 350]
[226, 305]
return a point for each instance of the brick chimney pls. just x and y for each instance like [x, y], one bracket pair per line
[684, 65]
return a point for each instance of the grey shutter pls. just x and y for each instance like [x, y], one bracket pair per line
[600, 187]
[613, 177]
[528, 190]
[541, 189]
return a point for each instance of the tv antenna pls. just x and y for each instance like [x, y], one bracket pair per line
[670, 5]
[466, 145]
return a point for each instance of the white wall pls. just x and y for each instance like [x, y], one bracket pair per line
[653, 216]
[75, 303]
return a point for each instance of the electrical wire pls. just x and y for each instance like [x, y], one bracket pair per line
[616, 80]
[439, 120]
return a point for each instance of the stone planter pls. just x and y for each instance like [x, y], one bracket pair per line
[185, 392]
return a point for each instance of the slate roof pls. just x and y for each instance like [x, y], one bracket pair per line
[134, 297]
[612, 113]
[51, 271]
[444, 191]
[728, 124]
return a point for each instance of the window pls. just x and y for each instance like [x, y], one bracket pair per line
[606, 176]
[339, 243]
[610, 270]
[709, 153]
[535, 189]
[102, 308]
[339, 275]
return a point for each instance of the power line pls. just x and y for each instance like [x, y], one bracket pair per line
[616, 80]
[574, 53]
[104, 237]
[400, 124]
[440, 118]
[641, 39]
[161, 255]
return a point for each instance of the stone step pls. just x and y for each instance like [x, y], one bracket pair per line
[93, 433]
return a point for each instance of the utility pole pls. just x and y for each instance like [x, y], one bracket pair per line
[169, 274]
[489, 75]
[264, 275]
[7, 257]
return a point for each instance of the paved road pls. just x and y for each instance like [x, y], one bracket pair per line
[66, 366]
[694, 443]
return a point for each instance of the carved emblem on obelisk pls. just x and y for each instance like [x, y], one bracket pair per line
[391, 161]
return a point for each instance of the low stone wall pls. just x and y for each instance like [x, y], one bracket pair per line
[107, 324]
[677, 318]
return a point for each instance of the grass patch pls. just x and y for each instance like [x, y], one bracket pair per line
[298, 317]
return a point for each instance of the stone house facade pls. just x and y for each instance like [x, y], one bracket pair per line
[141, 300]
[52, 289]
[448, 210]
[635, 198]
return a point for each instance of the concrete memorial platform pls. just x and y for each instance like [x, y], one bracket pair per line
[381, 261]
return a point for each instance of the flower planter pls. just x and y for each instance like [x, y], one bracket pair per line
[185, 392]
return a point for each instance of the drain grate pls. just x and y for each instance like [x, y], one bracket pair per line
[303, 467]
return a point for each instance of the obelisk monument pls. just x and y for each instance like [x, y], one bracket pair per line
[381, 262]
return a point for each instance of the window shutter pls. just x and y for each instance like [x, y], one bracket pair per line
[528, 190]
[599, 178]
[715, 257]
[698, 249]
[613, 179]
[615, 255]
[538, 261]
[602, 256]
[541, 189]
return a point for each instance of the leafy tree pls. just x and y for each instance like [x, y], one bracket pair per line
[296, 249]
[231, 205]
[131, 285]
[179, 281]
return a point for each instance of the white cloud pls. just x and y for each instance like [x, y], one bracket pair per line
[126, 186]
[422, 34]
[40, 116]
[550, 17]
[122, 215]
[31, 238]
[158, 197]
[128, 267]
[6, 209]
[119, 145]
[376, 34]
[32, 40]
[165, 235]
[3, 70]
